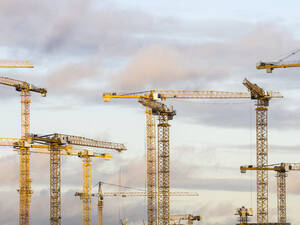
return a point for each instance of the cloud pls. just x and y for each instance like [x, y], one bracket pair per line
[78, 45]
[71, 74]
[153, 66]
[211, 62]
[162, 66]
[70, 27]
[9, 164]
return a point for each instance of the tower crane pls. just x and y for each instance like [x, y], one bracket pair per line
[164, 114]
[243, 214]
[281, 174]
[55, 141]
[86, 156]
[101, 196]
[64, 150]
[154, 96]
[15, 64]
[262, 97]
[188, 217]
[25, 192]
[281, 63]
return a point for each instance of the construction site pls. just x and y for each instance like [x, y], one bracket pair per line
[158, 116]
[149, 113]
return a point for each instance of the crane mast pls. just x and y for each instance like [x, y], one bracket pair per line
[281, 197]
[86, 194]
[86, 168]
[165, 114]
[151, 166]
[263, 97]
[55, 141]
[86, 187]
[25, 192]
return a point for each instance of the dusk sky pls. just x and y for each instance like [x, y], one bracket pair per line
[81, 49]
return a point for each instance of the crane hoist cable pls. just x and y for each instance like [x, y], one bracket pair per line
[122, 186]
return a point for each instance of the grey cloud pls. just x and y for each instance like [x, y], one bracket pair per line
[8, 207]
[162, 66]
[9, 164]
[273, 147]
[211, 62]
[293, 182]
[156, 65]
[71, 74]
[184, 175]
[69, 27]
[134, 210]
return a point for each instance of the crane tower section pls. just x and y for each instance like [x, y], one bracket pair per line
[263, 97]
[25, 192]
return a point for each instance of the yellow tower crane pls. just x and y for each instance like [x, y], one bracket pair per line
[262, 97]
[147, 99]
[24, 163]
[164, 114]
[281, 170]
[281, 63]
[86, 168]
[64, 150]
[176, 219]
[15, 64]
[55, 142]
[101, 196]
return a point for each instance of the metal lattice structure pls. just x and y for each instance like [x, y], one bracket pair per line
[262, 161]
[86, 196]
[262, 97]
[151, 167]
[281, 170]
[164, 114]
[24, 151]
[86, 185]
[281, 197]
[24, 162]
[101, 195]
[24, 186]
[163, 212]
[151, 99]
[60, 141]
[55, 176]
[55, 185]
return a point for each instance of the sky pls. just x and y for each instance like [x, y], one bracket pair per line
[81, 49]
